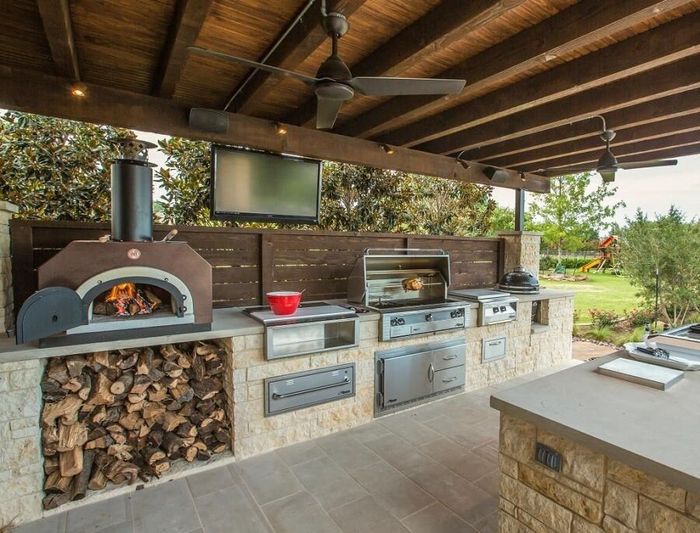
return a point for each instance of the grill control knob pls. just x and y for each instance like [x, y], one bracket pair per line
[394, 321]
[503, 308]
[401, 321]
[455, 314]
[429, 317]
[495, 309]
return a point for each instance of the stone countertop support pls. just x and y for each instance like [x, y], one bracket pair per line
[522, 248]
[7, 211]
[591, 493]
[657, 432]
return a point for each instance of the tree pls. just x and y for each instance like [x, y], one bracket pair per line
[357, 198]
[668, 245]
[573, 212]
[184, 180]
[56, 169]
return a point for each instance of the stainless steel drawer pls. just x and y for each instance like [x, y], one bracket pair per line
[493, 349]
[449, 378]
[449, 356]
[303, 389]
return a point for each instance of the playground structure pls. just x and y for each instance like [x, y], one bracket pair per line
[607, 247]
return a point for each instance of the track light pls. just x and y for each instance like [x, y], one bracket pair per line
[464, 164]
[78, 89]
[388, 149]
[281, 128]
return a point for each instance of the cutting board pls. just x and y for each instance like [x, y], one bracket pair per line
[654, 376]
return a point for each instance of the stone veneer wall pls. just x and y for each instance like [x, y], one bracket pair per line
[592, 494]
[6, 310]
[522, 248]
[255, 434]
[21, 473]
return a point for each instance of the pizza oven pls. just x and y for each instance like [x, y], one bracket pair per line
[125, 284]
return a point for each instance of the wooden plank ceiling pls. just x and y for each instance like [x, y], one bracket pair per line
[534, 69]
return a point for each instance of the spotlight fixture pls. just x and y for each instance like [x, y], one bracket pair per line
[78, 89]
[496, 175]
[388, 149]
[522, 177]
[281, 128]
[464, 164]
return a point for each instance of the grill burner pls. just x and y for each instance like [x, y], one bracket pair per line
[409, 288]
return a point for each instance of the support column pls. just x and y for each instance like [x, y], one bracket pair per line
[519, 209]
[6, 310]
[522, 248]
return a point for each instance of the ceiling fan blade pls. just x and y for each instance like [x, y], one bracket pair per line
[649, 164]
[385, 86]
[554, 172]
[327, 111]
[253, 64]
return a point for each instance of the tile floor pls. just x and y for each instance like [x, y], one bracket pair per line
[429, 470]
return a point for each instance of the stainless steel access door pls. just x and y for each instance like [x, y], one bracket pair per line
[407, 377]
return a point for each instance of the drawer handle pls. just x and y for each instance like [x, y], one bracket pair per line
[431, 373]
[449, 357]
[276, 396]
[449, 379]
[497, 343]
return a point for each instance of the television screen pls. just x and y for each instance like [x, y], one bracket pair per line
[257, 186]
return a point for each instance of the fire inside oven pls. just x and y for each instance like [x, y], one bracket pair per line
[127, 299]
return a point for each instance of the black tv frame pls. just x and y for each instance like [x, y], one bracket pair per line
[260, 217]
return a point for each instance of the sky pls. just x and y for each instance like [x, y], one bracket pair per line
[653, 190]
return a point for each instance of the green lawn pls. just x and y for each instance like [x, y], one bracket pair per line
[599, 291]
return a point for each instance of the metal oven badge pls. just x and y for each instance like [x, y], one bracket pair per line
[133, 253]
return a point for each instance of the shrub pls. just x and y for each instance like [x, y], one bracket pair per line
[548, 262]
[602, 318]
[639, 317]
[602, 334]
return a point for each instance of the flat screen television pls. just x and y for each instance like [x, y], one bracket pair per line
[248, 185]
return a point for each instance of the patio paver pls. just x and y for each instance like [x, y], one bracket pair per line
[429, 470]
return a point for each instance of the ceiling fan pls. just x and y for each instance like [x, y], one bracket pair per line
[334, 84]
[607, 165]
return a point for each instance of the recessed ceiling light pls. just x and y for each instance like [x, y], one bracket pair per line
[78, 89]
[550, 57]
[281, 129]
[388, 149]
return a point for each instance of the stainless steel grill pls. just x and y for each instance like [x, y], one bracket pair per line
[409, 288]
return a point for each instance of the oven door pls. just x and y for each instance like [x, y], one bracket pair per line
[407, 377]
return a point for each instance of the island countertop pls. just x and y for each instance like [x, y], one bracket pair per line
[654, 431]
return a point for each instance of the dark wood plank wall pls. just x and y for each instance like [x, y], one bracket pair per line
[248, 263]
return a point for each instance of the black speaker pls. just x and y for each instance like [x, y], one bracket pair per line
[496, 175]
[209, 120]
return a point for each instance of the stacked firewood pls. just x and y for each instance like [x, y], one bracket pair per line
[125, 415]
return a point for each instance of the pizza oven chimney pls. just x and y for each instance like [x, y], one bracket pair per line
[132, 192]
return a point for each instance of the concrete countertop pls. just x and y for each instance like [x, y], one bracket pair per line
[654, 431]
[227, 322]
[545, 294]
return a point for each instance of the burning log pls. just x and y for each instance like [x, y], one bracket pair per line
[115, 417]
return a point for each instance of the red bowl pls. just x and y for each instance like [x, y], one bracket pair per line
[284, 302]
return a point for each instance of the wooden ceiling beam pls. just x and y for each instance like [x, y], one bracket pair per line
[188, 21]
[580, 25]
[55, 17]
[668, 142]
[303, 39]
[543, 157]
[669, 107]
[440, 27]
[664, 44]
[674, 78]
[27, 91]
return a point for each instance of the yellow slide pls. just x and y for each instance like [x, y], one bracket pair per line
[591, 264]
